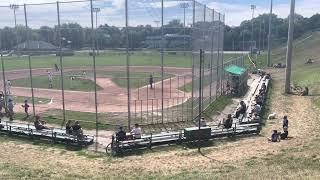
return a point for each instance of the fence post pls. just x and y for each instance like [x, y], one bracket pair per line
[61, 65]
[128, 63]
[222, 56]
[211, 62]
[93, 45]
[3, 73]
[162, 51]
[29, 58]
[218, 62]
[192, 73]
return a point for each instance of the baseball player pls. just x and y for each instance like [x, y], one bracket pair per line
[26, 107]
[151, 81]
[8, 87]
[50, 79]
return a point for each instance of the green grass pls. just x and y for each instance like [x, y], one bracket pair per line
[218, 105]
[77, 84]
[137, 79]
[110, 59]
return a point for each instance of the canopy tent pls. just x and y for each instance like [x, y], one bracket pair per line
[237, 78]
[235, 70]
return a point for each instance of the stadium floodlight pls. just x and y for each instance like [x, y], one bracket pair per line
[14, 7]
[253, 7]
[184, 6]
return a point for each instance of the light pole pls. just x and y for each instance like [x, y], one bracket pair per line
[96, 10]
[269, 34]
[253, 7]
[289, 49]
[184, 6]
[14, 7]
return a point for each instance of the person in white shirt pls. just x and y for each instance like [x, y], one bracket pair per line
[257, 108]
[136, 132]
[8, 87]
[50, 79]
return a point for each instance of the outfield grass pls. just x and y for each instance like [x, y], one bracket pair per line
[77, 84]
[111, 59]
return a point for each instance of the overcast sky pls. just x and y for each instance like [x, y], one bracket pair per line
[146, 11]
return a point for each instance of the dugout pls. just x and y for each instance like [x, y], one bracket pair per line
[237, 79]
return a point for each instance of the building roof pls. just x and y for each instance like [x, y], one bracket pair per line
[235, 70]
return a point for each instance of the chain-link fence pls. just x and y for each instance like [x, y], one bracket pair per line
[109, 64]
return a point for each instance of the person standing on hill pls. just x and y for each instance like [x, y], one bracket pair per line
[151, 81]
[10, 109]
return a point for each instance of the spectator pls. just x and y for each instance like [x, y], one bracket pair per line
[1, 104]
[241, 110]
[10, 109]
[274, 137]
[76, 128]
[285, 133]
[228, 122]
[26, 107]
[151, 81]
[257, 108]
[256, 117]
[305, 92]
[121, 134]
[203, 122]
[136, 132]
[285, 122]
[264, 87]
[259, 100]
[69, 127]
[38, 124]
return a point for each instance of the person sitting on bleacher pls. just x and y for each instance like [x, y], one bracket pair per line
[264, 87]
[241, 110]
[259, 100]
[257, 108]
[274, 137]
[136, 132]
[38, 124]
[76, 129]
[228, 122]
[121, 134]
[69, 127]
[256, 118]
[203, 122]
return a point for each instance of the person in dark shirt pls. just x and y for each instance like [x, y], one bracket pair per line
[285, 122]
[264, 87]
[151, 81]
[285, 133]
[69, 127]
[241, 110]
[38, 124]
[26, 107]
[274, 136]
[77, 130]
[121, 134]
[228, 122]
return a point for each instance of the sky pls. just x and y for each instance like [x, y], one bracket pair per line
[146, 11]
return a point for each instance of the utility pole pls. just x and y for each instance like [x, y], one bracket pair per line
[14, 7]
[96, 10]
[184, 6]
[289, 49]
[260, 36]
[263, 34]
[269, 34]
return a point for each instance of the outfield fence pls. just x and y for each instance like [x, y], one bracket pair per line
[95, 61]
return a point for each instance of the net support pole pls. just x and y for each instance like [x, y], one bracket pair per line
[211, 51]
[61, 65]
[290, 47]
[29, 57]
[93, 43]
[200, 97]
[3, 73]
[128, 65]
[222, 56]
[269, 34]
[203, 51]
[162, 59]
[192, 73]
[218, 62]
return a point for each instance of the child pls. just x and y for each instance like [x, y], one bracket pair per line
[26, 107]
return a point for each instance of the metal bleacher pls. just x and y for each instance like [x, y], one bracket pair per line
[52, 135]
[241, 126]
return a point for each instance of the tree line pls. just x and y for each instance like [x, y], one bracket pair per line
[234, 36]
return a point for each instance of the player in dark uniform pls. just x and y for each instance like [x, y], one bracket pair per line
[151, 81]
